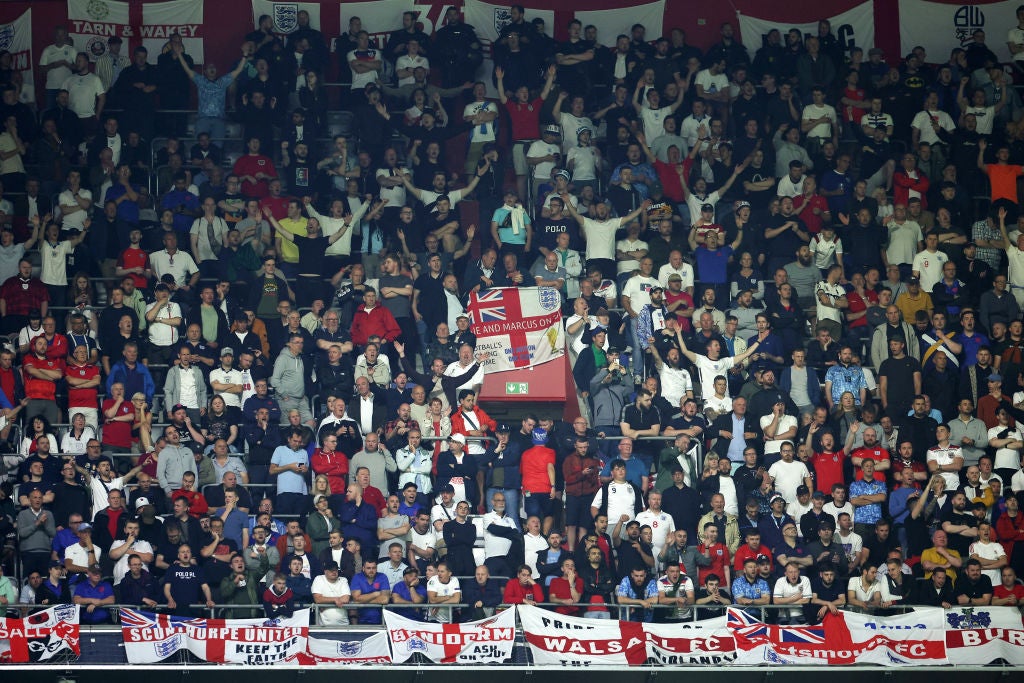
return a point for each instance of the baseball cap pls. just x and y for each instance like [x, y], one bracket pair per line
[818, 494]
[461, 438]
[227, 351]
[331, 566]
[539, 437]
[177, 407]
[95, 569]
[564, 174]
[141, 502]
[613, 349]
[84, 526]
[739, 204]
[503, 427]
[776, 497]
[410, 485]
[914, 280]
[56, 563]
[763, 559]
[583, 129]
[553, 129]
[447, 488]
[995, 377]
[802, 490]
[707, 207]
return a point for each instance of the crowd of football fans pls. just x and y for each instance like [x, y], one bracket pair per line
[239, 368]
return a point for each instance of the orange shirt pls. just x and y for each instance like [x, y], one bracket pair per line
[1003, 178]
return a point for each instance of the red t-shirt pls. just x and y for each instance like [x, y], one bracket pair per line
[876, 453]
[134, 258]
[251, 165]
[118, 434]
[744, 552]
[534, 467]
[40, 389]
[1003, 179]
[669, 179]
[859, 304]
[526, 119]
[805, 206]
[1001, 592]
[829, 469]
[57, 348]
[559, 588]
[671, 298]
[278, 206]
[719, 561]
[78, 397]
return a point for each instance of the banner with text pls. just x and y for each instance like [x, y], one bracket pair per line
[842, 639]
[51, 635]
[938, 27]
[150, 638]
[474, 642]
[16, 38]
[854, 27]
[517, 327]
[488, 17]
[285, 15]
[372, 650]
[560, 640]
[613, 21]
[93, 22]
[977, 636]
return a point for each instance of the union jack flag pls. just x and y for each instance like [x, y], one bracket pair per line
[489, 307]
[752, 629]
[134, 619]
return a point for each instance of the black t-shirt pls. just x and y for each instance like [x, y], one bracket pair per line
[972, 589]
[548, 230]
[959, 542]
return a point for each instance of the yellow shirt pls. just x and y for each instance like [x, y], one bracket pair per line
[910, 305]
[932, 556]
[290, 252]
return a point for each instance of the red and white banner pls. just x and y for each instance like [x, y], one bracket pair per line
[843, 639]
[50, 635]
[92, 22]
[16, 38]
[372, 650]
[938, 27]
[285, 15]
[854, 27]
[151, 638]
[488, 17]
[517, 327]
[619, 20]
[559, 640]
[474, 642]
[978, 636]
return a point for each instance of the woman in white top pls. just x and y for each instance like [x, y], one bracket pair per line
[73, 442]
[864, 591]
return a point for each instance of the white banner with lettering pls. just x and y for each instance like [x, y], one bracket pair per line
[16, 38]
[474, 642]
[559, 640]
[612, 22]
[517, 327]
[150, 24]
[855, 26]
[285, 15]
[939, 27]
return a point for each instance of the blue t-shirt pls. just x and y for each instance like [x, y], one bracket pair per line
[370, 615]
[289, 481]
[401, 589]
[711, 265]
[100, 591]
[507, 234]
[635, 471]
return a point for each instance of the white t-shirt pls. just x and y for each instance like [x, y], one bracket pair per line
[903, 241]
[600, 236]
[786, 422]
[200, 228]
[442, 615]
[852, 544]
[685, 586]
[654, 122]
[929, 268]
[54, 266]
[709, 369]
[712, 84]
[1016, 36]
[407, 62]
[826, 253]
[822, 130]
[360, 81]
[784, 589]
[55, 78]
[638, 289]
[228, 377]
[833, 293]
[570, 124]
[989, 551]
[497, 546]
[859, 591]
[539, 148]
[76, 220]
[533, 545]
[485, 132]
[923, 123]
[685, 271]
[695, 203]
[332, 615]
[82, 93]
[661, 524]
[675, 383]
[627, 245]
[80, 557]
[946, 456]
[1007, 458]
[159, 333]
[181, 265]
[583, 162]
[985, 118]
[121, 567]
[788, 476]
[621, 499]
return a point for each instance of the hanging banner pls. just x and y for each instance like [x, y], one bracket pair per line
[488, 18]
[474, 642]
[285, 15]
[559, 640]
[978, 636]
[619, 20]
[517, 327]
[16, 38]
[938, 27]
[842, 639]
[854, 27]
[47, 636]
[93, 22]
[372, 650]
[379, 19]
[151, 638]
